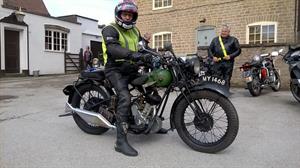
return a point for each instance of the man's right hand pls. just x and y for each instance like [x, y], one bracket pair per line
[216, 59]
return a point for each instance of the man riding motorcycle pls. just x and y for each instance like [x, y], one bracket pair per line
[120, 41]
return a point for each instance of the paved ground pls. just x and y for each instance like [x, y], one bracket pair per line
[32, 136]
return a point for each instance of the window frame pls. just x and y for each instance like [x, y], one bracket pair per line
[162, 7]
[160, 34]
[60, 38]
[261, 24]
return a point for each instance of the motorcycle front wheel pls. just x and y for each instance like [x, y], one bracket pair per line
[295, 89]
[89, 97]
[214, 127]
[277, 83]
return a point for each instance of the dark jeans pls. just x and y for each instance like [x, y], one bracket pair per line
[224, 69]
[120, 82]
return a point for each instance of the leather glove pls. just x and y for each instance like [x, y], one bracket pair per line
[147, 58]
[136, 56]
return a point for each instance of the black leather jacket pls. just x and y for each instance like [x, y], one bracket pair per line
[231, 44]
[114, 48]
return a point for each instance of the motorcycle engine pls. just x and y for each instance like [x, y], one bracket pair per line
[141, 112]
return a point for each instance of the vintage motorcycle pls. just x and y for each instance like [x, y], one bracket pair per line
[261, 72]
[292, 58]
[203, 116]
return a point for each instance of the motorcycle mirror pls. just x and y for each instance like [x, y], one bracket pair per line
[275, 53]
[168, 46]
[141, 45]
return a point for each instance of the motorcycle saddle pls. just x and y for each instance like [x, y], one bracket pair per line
[94, 75]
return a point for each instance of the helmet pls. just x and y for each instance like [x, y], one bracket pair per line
[126, 6]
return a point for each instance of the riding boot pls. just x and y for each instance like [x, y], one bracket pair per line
[122, 144]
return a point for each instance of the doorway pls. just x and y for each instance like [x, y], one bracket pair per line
[12, 51]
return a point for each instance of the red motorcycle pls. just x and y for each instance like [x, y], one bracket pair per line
[261, 72]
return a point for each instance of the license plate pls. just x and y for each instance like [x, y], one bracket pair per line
[247, 76]
[248, 79]
[213, 79]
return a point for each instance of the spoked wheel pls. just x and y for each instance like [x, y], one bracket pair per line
[215, 125]
[91, 98]
[254, 87]
[277, 83]
[295, 89]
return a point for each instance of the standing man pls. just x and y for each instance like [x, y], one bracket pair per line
[120, 51]
[222, 51]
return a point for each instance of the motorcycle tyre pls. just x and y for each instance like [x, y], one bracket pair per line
[94, 130]
[254, 92]
[276, 88]
[292, 88]
[233, 122]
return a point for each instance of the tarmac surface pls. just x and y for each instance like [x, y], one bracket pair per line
[33, 136]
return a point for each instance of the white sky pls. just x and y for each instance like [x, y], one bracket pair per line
[101, 10]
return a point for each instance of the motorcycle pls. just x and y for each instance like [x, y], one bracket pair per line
[261, 72]
[203, 116]
[292, 58]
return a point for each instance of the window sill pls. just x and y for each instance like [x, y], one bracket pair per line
[160, 8]
[52, 51]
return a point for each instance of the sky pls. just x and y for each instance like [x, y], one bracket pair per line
[101, 10]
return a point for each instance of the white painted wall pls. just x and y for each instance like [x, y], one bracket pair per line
[49, 62]
[45, 61]
[90, 31]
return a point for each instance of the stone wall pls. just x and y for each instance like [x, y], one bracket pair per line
[182, 19]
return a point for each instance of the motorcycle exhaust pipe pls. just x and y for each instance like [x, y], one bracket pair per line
[89, 117]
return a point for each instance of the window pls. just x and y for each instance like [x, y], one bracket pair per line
[263, 32]
[56, 40]
[161, 38]
[158, 4]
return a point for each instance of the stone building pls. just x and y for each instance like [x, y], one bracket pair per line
[260, 25]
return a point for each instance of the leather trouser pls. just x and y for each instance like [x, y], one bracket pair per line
[120, 84]
[224, 69]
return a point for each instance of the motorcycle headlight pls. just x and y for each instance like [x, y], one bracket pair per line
[257, 58]
[193, 64]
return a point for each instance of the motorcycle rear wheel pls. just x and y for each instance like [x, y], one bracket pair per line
[254, 87]
[295, 89]
[205, 134]
[92, 95]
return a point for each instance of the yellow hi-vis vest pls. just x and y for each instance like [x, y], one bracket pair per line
[128, 39]
[223, 47]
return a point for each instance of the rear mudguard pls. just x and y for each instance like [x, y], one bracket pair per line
[69, 90]
[222, 90]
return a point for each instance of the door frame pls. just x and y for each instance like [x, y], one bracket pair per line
[201, 28]
[23, 46]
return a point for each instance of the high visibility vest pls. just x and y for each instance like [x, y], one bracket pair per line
[223, 47]
[128, 39]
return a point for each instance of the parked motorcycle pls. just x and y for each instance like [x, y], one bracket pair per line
[203, 116]
[292, 58]
[261, 72]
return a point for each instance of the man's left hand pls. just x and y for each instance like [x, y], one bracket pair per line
[227, 57]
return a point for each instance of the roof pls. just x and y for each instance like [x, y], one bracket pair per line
[30, 6]
[74, 17]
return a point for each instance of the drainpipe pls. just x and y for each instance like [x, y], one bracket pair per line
[295, 22]
[28, 50]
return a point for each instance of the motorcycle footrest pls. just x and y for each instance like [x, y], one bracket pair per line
[65, 115]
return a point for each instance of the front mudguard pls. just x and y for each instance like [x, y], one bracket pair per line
[222, 90]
